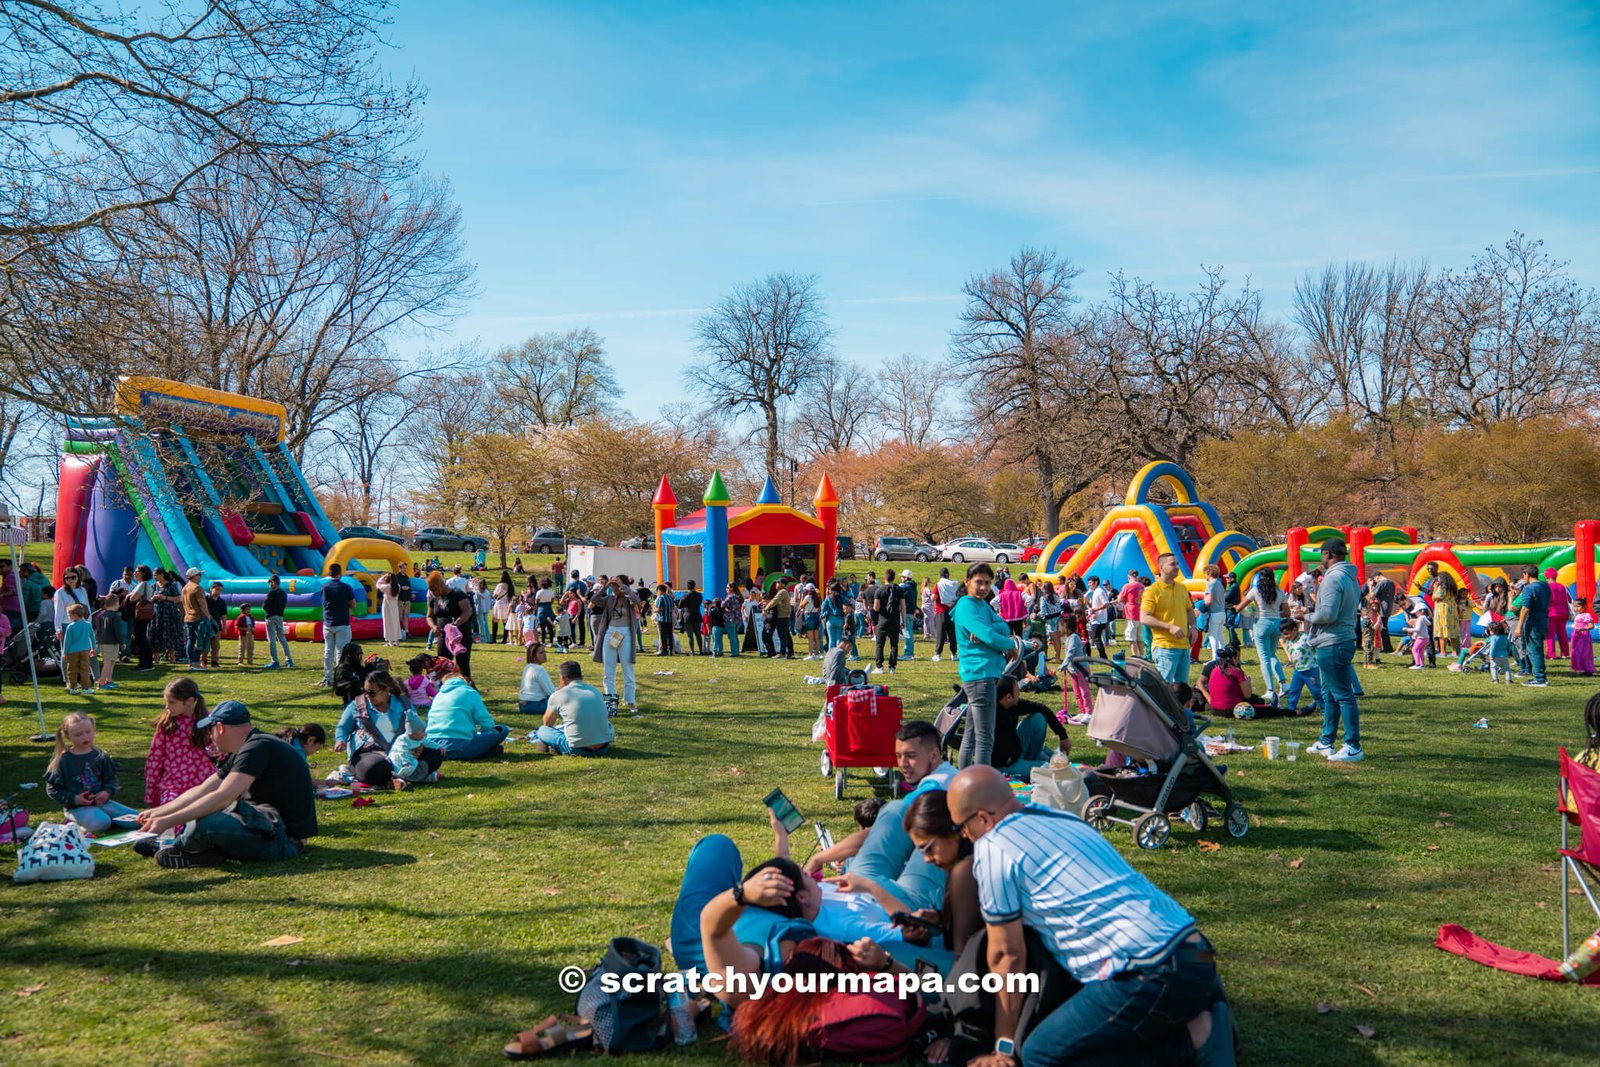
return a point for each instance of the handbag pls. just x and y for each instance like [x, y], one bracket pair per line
[623, 1021]
[57, 852]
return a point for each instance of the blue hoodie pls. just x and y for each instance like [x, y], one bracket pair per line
[457, 712]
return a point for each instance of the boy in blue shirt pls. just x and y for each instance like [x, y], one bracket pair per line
[77, 648]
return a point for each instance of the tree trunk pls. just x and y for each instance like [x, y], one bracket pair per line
[1047, 493]
[772, 443]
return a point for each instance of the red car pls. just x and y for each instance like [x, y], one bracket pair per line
[1032, 549]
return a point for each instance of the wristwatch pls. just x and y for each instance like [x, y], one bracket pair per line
[1006, 1047]
[738, 894]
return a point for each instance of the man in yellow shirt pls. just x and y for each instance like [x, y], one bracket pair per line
[1168, 610]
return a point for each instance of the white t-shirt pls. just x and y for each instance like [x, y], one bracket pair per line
[1099, 600]
[536, 684]
[459, 583]
[949, 591]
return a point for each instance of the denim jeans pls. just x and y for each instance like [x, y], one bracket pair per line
[194, 645]
[556, 738]
[465, 748]
[911, 642]
[1030, 748]
[1299, 682]
[889, 858]
[1336, 664]
[1173, 663]
[1266, 638]
[97, 818]
[977, 740]
[834, 627]
[612, 657]
[334, 638]
[533, 707]
[717, 634]
[275, 638]
[227, 831]
[1136, 1017]
[1534, 638]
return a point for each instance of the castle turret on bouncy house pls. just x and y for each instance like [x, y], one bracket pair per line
[745, 543]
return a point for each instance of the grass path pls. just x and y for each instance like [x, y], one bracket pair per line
[435, 922]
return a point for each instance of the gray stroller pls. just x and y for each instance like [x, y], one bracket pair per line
[1160, 771]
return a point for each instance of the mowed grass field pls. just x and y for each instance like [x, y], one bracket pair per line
[434, 923]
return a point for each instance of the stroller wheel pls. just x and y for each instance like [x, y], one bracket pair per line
[1152, 830]
[1196, 816]
[1097, 812]
[827, 765]
[838, 785]
[881, 772]
[1237, 818]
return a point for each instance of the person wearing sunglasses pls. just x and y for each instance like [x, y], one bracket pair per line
[369, 726]
[1150, 991]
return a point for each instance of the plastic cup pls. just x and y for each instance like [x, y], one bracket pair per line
[1294, 751]
[1273, 747]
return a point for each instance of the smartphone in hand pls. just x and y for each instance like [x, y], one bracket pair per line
[783, 808]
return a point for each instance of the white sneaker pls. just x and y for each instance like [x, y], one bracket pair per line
[891, 671]
[1537, 685]
[935, 658]
[1320, 749]
[1270, 697]
[1346, 754]
[1416, 667]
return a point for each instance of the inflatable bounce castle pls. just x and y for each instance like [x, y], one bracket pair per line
[749, 542]
[183, 477]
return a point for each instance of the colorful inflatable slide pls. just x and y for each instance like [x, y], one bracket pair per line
[183, 477]
[1134, 533]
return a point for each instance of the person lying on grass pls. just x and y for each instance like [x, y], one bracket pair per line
[885, 854]
[257, 806]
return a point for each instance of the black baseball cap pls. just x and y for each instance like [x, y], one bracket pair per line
[227, 713]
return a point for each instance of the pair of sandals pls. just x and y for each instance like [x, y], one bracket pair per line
[557, 1035]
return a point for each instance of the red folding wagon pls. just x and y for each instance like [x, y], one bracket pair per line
[861, 721]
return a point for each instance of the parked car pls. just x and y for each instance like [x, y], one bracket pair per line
[591, 542]
[976, 550]
[1032, 549]
[444, 539]
[905, 548]
[1011, 549]
[642, 541]
[547, 541]
[368, 532]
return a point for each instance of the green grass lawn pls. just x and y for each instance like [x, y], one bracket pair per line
[434, 922]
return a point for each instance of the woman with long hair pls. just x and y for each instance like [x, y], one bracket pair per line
[1270, 605]
[388, 587]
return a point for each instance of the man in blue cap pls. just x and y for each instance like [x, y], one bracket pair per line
[257, 806]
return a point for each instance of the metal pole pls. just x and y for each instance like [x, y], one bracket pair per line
[27, 641]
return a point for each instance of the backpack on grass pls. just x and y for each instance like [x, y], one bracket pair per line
[622, 1021]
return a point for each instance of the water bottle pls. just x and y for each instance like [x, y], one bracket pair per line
[1584, 961]
[1230, 735]
[680, 1017]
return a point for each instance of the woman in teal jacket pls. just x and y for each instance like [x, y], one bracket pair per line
[983, 641]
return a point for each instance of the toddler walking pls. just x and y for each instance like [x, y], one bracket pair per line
[77, 648]
[1303, 658]
[1497, 650]
[1421, 631]
[247, 635]
[1582, 637]
[1372, 614]
[107, 623]
[82, 778]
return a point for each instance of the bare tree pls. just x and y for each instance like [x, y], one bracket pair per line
[91, 102]
[1513, 336]
[760, 346]
[1361, 321]
[367, 434]
[908, 400]
[837, 409]
[445, 411]
[1014, 353]
[557, 379]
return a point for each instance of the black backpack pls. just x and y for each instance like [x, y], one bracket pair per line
[624, 1022]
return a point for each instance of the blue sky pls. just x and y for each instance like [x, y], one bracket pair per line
[621, 166]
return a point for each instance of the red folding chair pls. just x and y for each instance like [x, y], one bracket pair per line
[1578, 801]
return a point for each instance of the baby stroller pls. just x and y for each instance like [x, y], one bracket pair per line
[14, 659]
[1137, 716]
[860, 723]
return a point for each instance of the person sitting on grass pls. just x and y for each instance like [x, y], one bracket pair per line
[575, 723]
[306, 739]
[369, 726]
[1227, 686]
[1019, 731]
[81, 777]
[534, 696]
[459, 725]
[349, 673]
[257, 806]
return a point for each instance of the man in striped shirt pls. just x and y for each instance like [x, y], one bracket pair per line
[1136, 951]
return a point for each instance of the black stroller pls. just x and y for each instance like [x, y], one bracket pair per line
[1137, 716]
[14, 658]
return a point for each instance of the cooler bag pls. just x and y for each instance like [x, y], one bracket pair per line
[871, 719]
